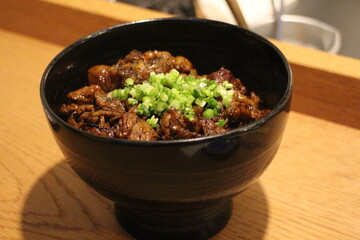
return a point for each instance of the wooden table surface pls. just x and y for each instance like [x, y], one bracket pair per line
[310, 191]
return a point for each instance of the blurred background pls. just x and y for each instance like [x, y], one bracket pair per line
[328, 25]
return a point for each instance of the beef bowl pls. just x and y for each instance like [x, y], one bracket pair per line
[173, 188]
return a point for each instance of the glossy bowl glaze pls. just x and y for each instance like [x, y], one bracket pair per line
[180, 189]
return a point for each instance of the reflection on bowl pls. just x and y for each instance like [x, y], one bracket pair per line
[176, 189]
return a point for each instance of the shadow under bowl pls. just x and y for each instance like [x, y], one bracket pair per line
[178, 189]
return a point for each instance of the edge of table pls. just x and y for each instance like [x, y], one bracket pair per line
[326, 85]
[310, 191]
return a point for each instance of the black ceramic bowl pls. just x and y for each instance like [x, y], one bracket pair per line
[180, 189]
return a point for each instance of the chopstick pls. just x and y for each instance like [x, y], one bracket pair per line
[236, 11]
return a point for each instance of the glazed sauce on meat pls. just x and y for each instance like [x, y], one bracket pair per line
[91, 110]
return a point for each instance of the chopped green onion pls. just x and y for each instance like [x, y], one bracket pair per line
[229, 86]
[221, 123]
[129, 82]
[132, 101]
[163, 97]
[212, 102]
[172, 90]
[121, 93]
[208, 113]
[161, 106]
[227, 97]
[175, 104]
[200, 102]
[153, 121]
[173, 74]
[215, 111]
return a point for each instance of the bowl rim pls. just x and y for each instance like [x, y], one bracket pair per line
[53, 117]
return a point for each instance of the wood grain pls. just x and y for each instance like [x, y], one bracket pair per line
[63, 22]
[318, 76]
[326, 85]
[310, 191]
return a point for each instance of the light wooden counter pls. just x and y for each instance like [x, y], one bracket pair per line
[310, 191]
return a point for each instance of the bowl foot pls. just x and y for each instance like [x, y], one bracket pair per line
[194, 224]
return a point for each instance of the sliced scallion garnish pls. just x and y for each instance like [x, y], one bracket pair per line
[172, 90]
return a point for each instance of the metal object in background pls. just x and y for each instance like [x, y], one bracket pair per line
[278, 12]
[236, 11]
[303, 31]
[343, 15]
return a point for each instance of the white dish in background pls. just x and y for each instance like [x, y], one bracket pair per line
[260, 17]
